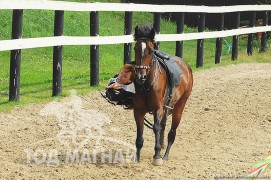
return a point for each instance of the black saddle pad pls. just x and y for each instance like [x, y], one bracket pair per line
[174, 69]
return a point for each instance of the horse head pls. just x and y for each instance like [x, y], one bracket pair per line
[144, 37]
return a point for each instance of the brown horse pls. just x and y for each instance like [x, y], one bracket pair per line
[151, 87]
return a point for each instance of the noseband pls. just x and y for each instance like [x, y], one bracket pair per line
[142, 67]
[148, 68]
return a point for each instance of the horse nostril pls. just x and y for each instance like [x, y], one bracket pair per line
[144, 76]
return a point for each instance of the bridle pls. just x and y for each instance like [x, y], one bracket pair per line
[142, 67]
[148, 67]
[146, 86]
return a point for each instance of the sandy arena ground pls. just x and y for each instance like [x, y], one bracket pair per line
[224, 131]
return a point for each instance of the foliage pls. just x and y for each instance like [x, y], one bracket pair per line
[259, 2]
[36, 67]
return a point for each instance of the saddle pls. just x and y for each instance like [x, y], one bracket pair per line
[173, 74]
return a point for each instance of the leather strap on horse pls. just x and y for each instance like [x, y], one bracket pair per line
[147, 123]
[161, 57]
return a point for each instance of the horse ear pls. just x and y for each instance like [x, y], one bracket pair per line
[152, 34]
[136, 33]
[150, 45]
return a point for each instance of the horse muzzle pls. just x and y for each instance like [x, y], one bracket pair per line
[140, 79]
[141, 73]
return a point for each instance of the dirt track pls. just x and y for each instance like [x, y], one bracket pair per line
[225, 129]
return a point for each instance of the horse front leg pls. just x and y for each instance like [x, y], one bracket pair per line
[157, 159]
[139, 118]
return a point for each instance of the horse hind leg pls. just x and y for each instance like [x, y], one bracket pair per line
[163, 126]
[176, 118]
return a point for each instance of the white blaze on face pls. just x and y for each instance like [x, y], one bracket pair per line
[143, 45]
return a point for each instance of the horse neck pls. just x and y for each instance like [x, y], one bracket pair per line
[156, 73]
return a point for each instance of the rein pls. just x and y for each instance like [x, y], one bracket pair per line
[145, 88]
[149, 67]
[156, 61]
[159, 61]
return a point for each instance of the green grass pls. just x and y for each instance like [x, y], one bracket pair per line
[36, 65]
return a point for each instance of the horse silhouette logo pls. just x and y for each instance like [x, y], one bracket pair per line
[78, 126]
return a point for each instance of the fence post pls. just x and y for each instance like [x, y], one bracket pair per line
[250, 36]
[128, 31]
[180, 30]
[156, 26]
[57, 55]
[200, 42]
[94, 49]
[219, 41]
[15, 57]
[235, 39]
[264, 34]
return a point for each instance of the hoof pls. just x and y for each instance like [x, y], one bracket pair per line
[137, 160]
[165, 158]
[157, 162]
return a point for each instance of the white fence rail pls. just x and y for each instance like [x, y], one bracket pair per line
[73, 6]
[99, 40]
[59, 7]
[73, 40]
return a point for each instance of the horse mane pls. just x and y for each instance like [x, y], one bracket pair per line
[144, 31]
